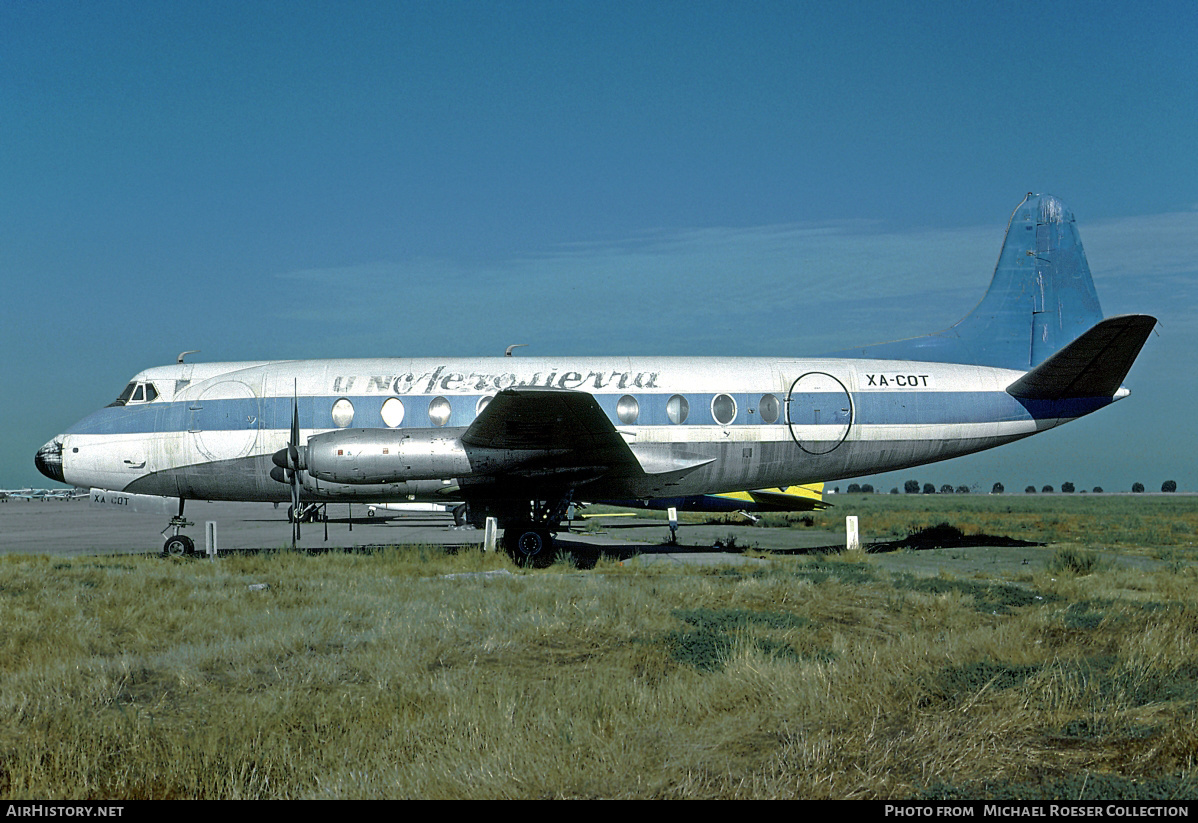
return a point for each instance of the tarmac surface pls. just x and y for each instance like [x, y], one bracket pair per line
[74, 527]
[66, 528]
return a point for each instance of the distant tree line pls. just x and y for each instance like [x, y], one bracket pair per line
[914, 487]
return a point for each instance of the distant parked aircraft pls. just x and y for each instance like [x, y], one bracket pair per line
[42, 494]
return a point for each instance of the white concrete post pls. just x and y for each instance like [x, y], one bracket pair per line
[852, 535]
[490, 534]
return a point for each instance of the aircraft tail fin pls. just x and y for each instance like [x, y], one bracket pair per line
[809, 497]
[1040, 299]
[1093, 365]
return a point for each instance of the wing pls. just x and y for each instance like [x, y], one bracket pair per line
[558, 431]
[547, 420]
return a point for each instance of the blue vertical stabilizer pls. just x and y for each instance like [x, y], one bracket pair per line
[1040, 299]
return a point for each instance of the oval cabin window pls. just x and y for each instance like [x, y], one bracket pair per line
[723, 409]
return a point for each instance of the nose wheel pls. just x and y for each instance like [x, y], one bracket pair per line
[178, 545]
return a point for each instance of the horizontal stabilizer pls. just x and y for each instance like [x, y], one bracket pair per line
[1093, 365]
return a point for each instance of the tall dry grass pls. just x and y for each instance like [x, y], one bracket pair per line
[409, 673]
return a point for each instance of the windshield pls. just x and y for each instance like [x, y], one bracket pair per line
[136, 392]
[125, 395]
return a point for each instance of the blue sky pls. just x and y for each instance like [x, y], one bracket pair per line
[299, 179]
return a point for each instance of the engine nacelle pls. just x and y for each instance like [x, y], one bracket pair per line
[360, 456]
[374, 492]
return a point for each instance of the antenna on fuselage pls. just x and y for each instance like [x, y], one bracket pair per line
[508, 352]
[183, 354]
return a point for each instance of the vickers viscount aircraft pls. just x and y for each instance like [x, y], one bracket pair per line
[520, 438]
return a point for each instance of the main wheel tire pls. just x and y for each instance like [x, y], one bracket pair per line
[179, 545]
[530, 546]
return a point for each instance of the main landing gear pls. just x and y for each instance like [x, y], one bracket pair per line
[529, 540]
[529, 545]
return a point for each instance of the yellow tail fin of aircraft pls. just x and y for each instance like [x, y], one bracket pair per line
[789, 499]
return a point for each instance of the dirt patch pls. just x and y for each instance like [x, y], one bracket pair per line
[945, 536]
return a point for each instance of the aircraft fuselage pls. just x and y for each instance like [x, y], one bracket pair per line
[760, 422]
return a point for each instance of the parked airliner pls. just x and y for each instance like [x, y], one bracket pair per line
[520, 438]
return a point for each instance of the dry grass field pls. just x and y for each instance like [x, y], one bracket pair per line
[410, 673]
[1162, 522]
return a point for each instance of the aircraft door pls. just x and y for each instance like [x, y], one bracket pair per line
[819, 411]
[224, 420]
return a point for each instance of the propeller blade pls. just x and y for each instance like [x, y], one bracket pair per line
[293, 459]
[295, 510]
[293, 441]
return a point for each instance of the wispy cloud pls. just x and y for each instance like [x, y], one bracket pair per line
[1154, 246]
[762, 290]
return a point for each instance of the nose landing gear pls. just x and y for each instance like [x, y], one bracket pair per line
[178, 545]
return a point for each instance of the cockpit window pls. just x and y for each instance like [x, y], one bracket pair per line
[125, 395]
[136, 393]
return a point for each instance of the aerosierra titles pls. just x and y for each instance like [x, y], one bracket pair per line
[440, 379]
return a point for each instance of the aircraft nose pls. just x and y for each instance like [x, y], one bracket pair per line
[49, 460]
